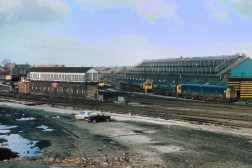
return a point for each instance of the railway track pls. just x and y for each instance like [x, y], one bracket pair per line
[195, 112]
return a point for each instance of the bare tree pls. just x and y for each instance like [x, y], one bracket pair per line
[5, 62]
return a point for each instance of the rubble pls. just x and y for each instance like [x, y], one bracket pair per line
[83, 162]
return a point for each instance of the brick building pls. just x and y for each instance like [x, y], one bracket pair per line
[24, 85]
[69, 82]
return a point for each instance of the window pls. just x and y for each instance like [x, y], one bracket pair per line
[95, 76]
[35, 76]
[68, 77]
[56, 77]
[89, 76]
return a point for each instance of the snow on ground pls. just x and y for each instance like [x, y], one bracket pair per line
[128, 117]
[168, 149]
[45, 107]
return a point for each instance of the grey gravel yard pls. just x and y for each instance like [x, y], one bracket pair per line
[126, 141]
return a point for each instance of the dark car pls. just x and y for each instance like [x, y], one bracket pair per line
[97, 118]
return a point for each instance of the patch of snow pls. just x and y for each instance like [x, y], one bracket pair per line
[4, 131]
[26, 119]
[7, 127]
[44, 128]
[168, 149]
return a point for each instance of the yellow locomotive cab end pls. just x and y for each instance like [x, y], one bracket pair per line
[147, 85]
[228, 93]
[8, 77]
[179, 88]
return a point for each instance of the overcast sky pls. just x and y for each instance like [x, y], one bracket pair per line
[122, 32]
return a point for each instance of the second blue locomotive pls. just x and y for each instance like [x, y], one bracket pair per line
[207, 92]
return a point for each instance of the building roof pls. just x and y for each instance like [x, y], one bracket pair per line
[61, 69]
[222, 57]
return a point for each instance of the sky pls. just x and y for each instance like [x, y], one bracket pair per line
[122, 32]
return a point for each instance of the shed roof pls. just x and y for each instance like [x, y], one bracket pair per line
[222, 57]
[61, 69]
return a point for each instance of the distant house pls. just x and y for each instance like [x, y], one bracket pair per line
[2, 70]
[16, 69]
[21, 69]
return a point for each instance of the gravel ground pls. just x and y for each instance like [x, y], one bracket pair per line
[126, 141]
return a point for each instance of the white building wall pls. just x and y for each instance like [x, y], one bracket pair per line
[52, 76]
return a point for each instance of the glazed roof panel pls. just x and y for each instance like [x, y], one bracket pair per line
[223, 57]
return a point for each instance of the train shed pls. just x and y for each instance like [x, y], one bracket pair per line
[241, 78]
[234, 70]
[69, 82]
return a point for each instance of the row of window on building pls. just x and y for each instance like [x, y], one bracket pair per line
[191, 64]
[67, 90]
[175, 70]
[64, 76]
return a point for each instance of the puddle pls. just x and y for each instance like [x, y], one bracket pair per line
[138, 131]
[56, 117]
[44, 128]
[26, 119]
[4, 129]
[48, 130]
[23, 147]
[111, 141]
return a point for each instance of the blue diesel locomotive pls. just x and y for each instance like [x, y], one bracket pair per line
[164, 88]
[206, 92]
[135, 85]
[190, 91]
